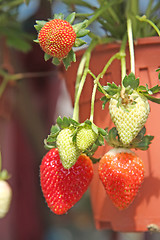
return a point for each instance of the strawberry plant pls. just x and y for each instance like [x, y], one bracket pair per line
[120, 170]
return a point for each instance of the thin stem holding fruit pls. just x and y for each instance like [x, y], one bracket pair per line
[131, 45]
[96, 81]
[81, 77]
[144, 19]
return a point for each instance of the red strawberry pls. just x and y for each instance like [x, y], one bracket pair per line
[61, 187]
[121, 172]
[57, 37]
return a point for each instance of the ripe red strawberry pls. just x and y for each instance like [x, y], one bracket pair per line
[57, 37]
[61, 187]
[121, 172]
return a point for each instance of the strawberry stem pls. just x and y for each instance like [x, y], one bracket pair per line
[81, 77]
[100, 11]
[131, 45]
[144, 19]
[96, 81]
[123, 57]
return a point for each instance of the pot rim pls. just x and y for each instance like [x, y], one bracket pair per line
[138, 42]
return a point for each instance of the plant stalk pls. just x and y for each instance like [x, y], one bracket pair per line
[81, 77]
[131, 45]
[96, 82]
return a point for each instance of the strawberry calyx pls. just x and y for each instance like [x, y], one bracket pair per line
[130, 84]
[4, 175]
[141, 141]
[62, 123]
[80, 31]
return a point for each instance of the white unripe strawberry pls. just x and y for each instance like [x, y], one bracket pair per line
[68, 150]
[129, 117]
[85, 137]
[5, 198]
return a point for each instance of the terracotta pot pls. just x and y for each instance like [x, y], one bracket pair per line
[145, 209]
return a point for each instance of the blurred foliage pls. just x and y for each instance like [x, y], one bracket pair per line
[10, 28]
[113, 20]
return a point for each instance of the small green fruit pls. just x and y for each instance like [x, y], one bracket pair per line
[68, 150]
[85, 138]
[130, 117]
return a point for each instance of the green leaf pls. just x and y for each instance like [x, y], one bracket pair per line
[148, 90]
[82, 33]
[102, 131]
[95, 160]
[47, 57]
[111, 89]
[70, 18]
[88, 122]
[104, 100]
[63, 123]
[40, 24]
[79, 42]
[141, 88]
[71, 57]
[113, 133]
[131, 81]
[155, 89]
[144, 143]
[79, 26]
[54, 129]
[36, 41]
[152, 99]
[100, 140]
[56, 61]
[94, 128]
[59, 121]
[49, 146]
[73, 122]
[59, 16]
[140, 135]
[52, 139]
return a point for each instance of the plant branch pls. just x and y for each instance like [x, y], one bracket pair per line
[96, 81]
[81, 77]
[99, 12]
[144, 19]
[131, 45]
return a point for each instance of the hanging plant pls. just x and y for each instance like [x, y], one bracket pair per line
[120, 170]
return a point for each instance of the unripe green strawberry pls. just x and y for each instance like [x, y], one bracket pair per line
[68, 150]
[129, 118]
[85, 137]
[121, 172]
[5, 198]
[56, 38]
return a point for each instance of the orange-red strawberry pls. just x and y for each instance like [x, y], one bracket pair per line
[56, 38]
[121, 172]
[61, 187]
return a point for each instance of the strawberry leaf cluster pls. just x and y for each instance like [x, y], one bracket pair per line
[130, 83]
[141, 141]
[64, 123]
